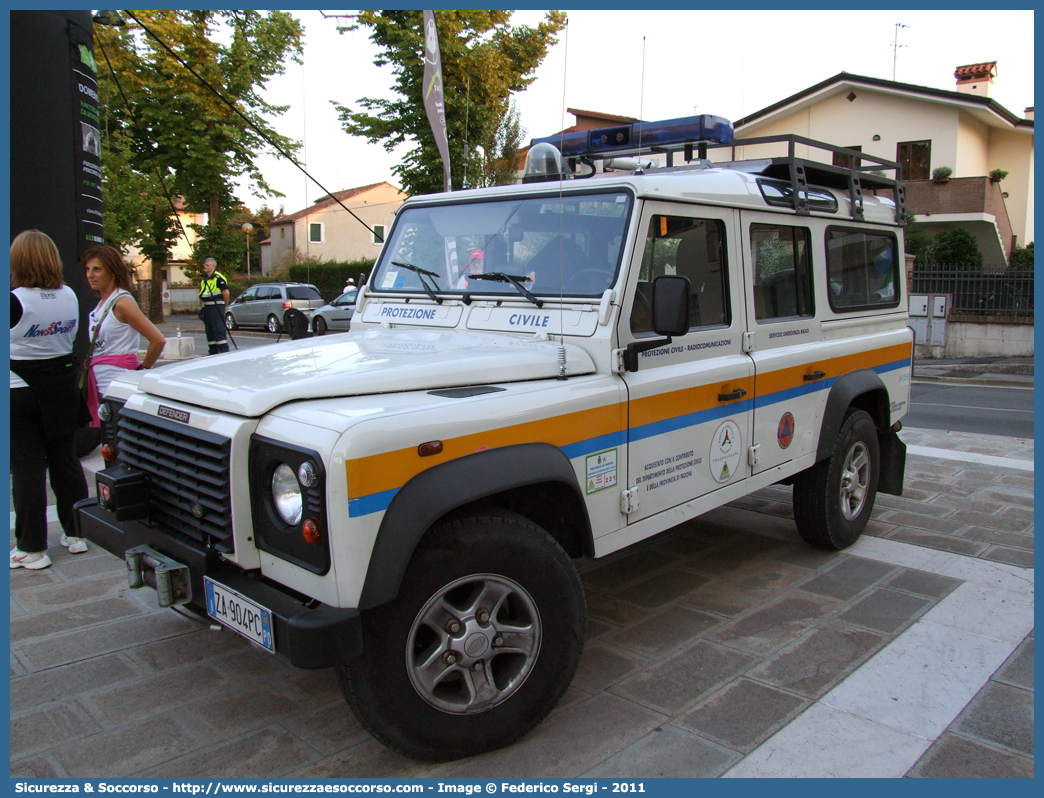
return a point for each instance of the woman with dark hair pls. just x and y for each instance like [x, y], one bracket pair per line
[46, 405]
[115, 325]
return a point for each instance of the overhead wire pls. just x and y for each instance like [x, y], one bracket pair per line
[249, 122]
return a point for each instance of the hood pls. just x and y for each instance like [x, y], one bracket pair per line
[252, 382]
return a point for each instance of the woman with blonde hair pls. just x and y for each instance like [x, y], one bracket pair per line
[115, 325]
[46, 404]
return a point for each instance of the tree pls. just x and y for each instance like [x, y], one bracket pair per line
[1022, 258]
[479, 47]
[956, 247]
[915, 239]
[227, 243]
[173, 132]
[500, 157]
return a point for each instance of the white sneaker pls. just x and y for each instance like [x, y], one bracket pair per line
[74, 545]
[34, 561]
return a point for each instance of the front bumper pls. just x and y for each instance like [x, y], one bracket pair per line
[310, 635]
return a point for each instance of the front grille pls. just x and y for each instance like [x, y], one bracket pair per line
[188, 468]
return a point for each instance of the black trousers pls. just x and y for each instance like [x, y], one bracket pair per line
[214, 322]
[32, 456]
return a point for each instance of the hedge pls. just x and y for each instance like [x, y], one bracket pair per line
[329, 276]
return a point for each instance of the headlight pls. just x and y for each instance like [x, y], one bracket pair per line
[104, 411]
[286, 494]
[288, 503]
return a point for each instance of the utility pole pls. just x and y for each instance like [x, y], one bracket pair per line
[896, 46]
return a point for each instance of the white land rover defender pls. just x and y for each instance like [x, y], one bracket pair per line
[535, 373]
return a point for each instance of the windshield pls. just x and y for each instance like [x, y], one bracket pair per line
[569, 245]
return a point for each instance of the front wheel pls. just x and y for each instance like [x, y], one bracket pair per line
[478, 647]
[230, 322]
[273, 324]
[320, 326]
[833, 499]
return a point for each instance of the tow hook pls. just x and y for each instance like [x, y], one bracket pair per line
[169, 578]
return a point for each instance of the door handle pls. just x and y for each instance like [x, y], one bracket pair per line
[739, 393]
[815, 375]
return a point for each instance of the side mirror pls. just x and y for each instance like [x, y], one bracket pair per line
[670, 311]
[670, 304]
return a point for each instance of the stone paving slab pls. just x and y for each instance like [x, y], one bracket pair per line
[749, 642]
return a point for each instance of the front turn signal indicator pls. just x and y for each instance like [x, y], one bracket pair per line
[311, 532]
[108, 452]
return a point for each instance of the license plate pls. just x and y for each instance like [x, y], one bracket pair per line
[239, 614]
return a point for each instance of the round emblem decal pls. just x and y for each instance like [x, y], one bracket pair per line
[785, 431]
[197, 510]
[725, 451]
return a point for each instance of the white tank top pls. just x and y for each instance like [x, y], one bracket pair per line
[114, 338]
[47, 328]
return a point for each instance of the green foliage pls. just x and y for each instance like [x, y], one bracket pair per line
[997, 175]
[227, 242]
[941, 173]
[480, 46]
[956, 247]
[915, 238]
[176, 130]
[1022, 258]
[329, 276]
[501, 157]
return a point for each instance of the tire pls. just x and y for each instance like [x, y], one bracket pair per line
[833, 499]
[230, 322]
[431, 714]
[273, 325]
[320, 326]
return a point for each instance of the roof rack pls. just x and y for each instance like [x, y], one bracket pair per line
[692, 137]
[801, 172]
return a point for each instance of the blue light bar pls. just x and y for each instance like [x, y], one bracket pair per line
[646, 135]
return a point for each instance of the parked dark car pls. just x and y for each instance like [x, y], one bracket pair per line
[263, 305]
[337, 315]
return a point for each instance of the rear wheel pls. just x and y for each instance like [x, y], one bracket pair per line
[833, 499]
[479, 645]
[273, 324]
[320, 326]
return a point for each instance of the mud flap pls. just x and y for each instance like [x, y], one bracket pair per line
[893, 463]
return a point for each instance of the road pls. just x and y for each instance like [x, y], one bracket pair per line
[971, 408]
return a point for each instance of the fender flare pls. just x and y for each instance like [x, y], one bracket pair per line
[442, 488]
[842, 393]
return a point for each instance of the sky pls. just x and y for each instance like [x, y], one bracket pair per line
[727, 63]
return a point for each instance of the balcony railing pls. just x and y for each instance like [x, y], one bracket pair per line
[978, 290]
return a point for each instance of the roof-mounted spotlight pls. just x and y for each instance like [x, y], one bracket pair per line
[544, 163]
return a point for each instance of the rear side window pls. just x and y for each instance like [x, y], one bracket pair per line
[782, 259]
[862, 269]
[693, 248]
[302, 292]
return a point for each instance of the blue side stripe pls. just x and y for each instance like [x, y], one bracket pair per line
[688, 420]
[378, 502]
[898, 364]
[580, 448]
[374, 503]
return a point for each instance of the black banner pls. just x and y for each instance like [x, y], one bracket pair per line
[87, 135]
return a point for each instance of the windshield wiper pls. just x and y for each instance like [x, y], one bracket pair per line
[422, 273]
[514, 279]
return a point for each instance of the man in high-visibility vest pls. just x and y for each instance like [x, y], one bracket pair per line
[213, 293]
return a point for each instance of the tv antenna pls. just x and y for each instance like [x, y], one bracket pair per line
[896, 46]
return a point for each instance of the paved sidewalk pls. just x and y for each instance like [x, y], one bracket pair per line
[724, 646]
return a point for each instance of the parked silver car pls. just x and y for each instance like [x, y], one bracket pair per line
[337, 315]
[263, 305]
